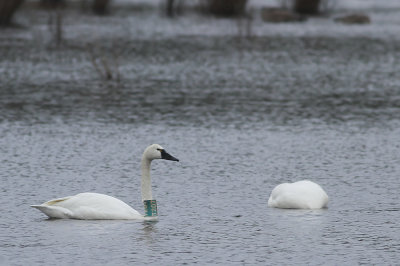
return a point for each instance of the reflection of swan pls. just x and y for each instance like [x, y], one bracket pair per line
[299, 195]
[99, 206]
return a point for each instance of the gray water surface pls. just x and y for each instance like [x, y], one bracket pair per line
[212, 204]
[297, 101]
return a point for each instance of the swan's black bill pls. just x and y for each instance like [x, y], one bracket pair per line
[166, 156]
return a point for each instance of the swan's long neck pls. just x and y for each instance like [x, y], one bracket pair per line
[146, 179]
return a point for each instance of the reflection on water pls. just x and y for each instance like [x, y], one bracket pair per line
[148, 231]
[277, 79]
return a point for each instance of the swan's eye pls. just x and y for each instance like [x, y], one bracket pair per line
[160, 150]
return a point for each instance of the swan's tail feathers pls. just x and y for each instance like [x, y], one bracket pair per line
[54, 211]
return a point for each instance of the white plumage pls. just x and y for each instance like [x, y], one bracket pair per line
[298, 195]
[88, 206]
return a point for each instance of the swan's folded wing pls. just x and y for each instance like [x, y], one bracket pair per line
[54, 211]
[55, 201]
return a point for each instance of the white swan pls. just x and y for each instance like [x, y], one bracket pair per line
[298, 195]
[89, 206]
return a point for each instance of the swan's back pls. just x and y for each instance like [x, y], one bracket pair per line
[299, 195]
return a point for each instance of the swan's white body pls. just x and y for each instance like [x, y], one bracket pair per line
[298, 195]
[89, 206]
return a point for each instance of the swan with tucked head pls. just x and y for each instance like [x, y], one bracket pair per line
[298, 195]
[90, 206]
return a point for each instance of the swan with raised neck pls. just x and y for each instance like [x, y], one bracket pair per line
[152, 152]
[90, 206]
